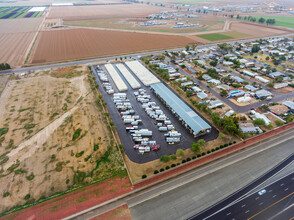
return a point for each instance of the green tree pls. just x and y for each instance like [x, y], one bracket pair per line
[261, 20]
[165, 159]
[180, 152]
[222, 136]
[255, 48]
[259, 122]
[195, 147]
[224, 92]
[187, 47]
[201, 142]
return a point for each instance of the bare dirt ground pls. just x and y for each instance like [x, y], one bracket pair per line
[285, 90]
[3, 81]
[19, 25]
[62, 45]
[253, 100]
[53, 136]
[256, 30]
[14, 46]
[103, 11]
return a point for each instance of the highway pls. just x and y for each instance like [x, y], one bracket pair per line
[192, 192]
[276, 202]
[254, 204]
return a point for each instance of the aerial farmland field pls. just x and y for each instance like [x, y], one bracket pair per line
[14, 48]
[62, 45]
[102, 11]
[18, 12]
[16, 36]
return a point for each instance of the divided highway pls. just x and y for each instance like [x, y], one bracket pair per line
[255, 205]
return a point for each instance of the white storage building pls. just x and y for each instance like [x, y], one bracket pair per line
[261, 79]
[146, 77]
[128, 76]
[120, 84]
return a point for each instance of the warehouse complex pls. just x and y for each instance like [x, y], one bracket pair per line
[146, 77]
[189, 118]
[120, 84]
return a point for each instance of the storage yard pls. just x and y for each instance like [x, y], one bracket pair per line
[147, 127]
[57, 45]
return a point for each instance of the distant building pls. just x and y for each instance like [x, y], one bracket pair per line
[289, 104]
[263, 93]
[236, 93]
[276, 74]
[238, 79]
[251, 88]
[216, 103]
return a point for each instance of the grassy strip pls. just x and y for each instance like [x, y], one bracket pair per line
[214, 37]
[18, 208]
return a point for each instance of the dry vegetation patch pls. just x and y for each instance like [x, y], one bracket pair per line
[53, 135]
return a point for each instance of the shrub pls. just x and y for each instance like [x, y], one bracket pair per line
[161, 170]
[178, 164]
[167, 167]
[188, 159]
[3, 131]
[208, 152]
[76, 134]
[27, 196]
[194, 157]
[156, 172]
[144, 176]
[234, 142]
[184, 161]
[230, 143]
[165, 159]
[173, 165]
[279, 123]
[79, 154]
[180, 152]
[225, 145]
[198, 155]
[6, 194]
[173, 157]
[29, 126]
[212, 150]
[217, 148]
[31, 177]
[203, 153]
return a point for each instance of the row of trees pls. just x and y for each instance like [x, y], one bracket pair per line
[4, 66]
[269, 21]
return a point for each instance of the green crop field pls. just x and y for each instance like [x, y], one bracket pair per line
[214, 37]
[284, 21]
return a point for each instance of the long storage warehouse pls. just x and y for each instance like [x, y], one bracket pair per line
[128, 76]
[120, 84]
[146, 77]
[189, 118]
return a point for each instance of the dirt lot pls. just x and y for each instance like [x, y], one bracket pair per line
[14, 46]
[61, 45]
[53, 136]
[19, 25]
[285, 90]
[103, 11]
[255, 30]
[121, 213]
[3, 81]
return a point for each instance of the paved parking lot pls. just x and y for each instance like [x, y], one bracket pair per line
[147, 122]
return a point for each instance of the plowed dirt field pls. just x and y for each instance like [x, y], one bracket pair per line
[13, 47]
[103, 11]
[62, 45]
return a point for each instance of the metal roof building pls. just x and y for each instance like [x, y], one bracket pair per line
[263, 93]
[192, 121]
[120, 84]
[146, 77]
[128, 76]
[289, 104]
